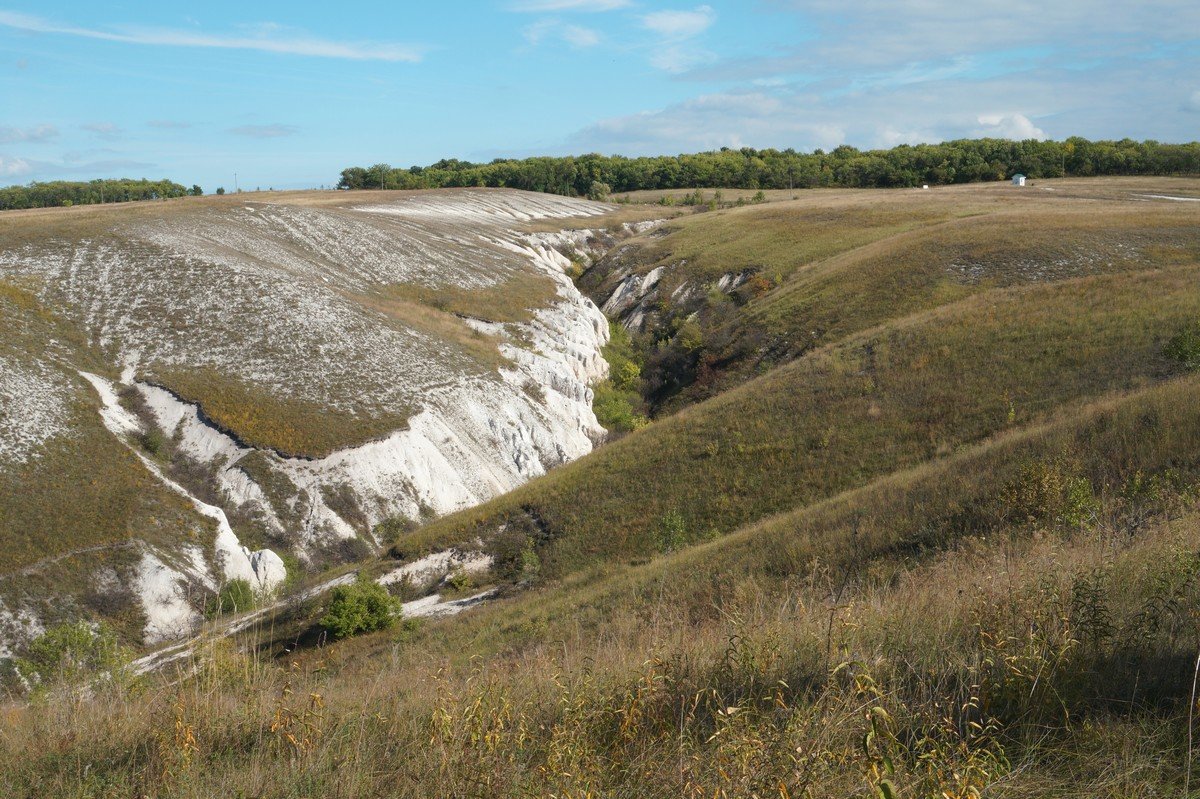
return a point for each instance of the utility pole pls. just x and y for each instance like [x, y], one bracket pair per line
[236, 190]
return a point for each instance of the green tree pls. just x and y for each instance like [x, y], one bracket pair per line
[1184, 347]
[599, 191]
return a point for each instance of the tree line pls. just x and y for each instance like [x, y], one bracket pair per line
[961, 161]
[65, 192]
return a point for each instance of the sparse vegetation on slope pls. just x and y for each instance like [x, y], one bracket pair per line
[906, 392]
[946, 546]
[741, 291]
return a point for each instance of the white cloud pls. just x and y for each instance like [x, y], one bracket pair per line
[708, 122]
[677, 58]
[680, 24]
[1008, 126]
[675, 51]
[570, 5]
[37, 133]
[263, 38]
[1116, 102]
[14, 167]
[265, 131]
[580, 36]
[102, 130]
[893, 34]
[574, 35]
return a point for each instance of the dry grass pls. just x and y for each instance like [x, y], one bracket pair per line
[995, 664]
[265, 420]
[828, 266]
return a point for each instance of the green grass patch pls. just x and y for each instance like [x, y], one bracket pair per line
[618, 400]
[266, 420]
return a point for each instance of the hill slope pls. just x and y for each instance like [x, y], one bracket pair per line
[283, 374]
[943, 546]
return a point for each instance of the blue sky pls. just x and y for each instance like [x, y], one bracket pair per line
[287, 94]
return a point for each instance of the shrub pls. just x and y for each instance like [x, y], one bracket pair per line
[459, 580]
[363, 606]
[72, 652]
[514, 557]
[617, 400]
[672, 532]
[236, 596]
[1050, 492]
[616, 409]
[599, 191]
[153, 441]
[1184, 347]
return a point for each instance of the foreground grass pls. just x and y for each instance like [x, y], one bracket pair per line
[1018, 654]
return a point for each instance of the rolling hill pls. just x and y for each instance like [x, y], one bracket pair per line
[221, 388]
[913, 514]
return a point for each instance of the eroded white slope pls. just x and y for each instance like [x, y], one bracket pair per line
[474, 439]
[271, 295]
[162, 589]
[33, 408]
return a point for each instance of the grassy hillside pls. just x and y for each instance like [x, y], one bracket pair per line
[899, 394]
[79, 488]
[978, 632]
[944, 546]
[814, 270]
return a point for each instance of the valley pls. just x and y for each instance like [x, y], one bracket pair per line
[896, 495]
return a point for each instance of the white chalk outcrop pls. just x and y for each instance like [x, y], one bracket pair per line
[33, 408]
[162, 589]
[285, 299]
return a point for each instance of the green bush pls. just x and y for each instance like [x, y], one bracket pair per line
[236, 596]
[1184, 347]
[363, 606]
[72, 652]
[1052, 492]
[617, 400]
[672, 532]
[599, 191]
[459, 580]
[514, 557]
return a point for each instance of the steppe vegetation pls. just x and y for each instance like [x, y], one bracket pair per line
[934, 534]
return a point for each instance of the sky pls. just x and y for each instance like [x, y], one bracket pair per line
[287, 94]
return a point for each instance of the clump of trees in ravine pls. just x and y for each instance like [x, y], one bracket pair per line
[65, 192]
[963, 161]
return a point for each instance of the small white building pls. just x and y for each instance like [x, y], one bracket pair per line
[1018, 179]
